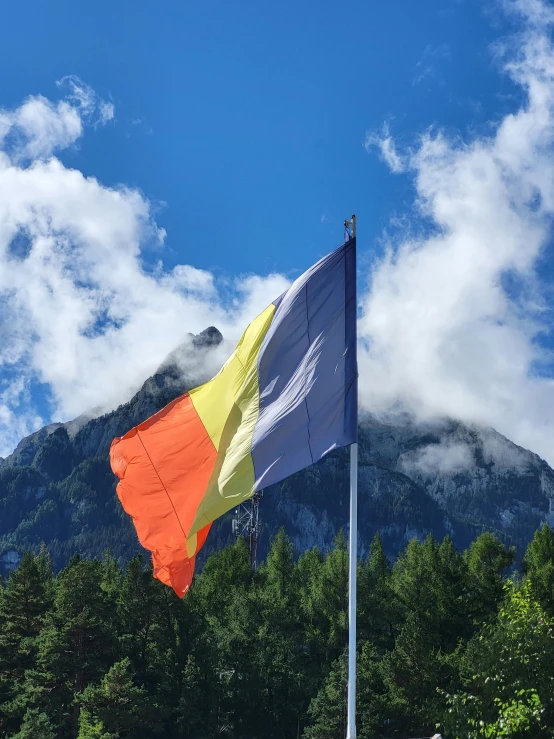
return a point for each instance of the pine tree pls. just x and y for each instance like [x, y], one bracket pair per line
[75, 647]
[182, 653]
[413, 578]
[430, 583]
[280, 654]
[328, 710]
[197, 713]
[377, 605]
[450, 601]
[332, 598]
[224, 573]
[487, 560]
[23, 606]
[136, 608]
[95, 654]
[279, 569]
[223, 664]
[110, 577]
[538, 565]
[242, 703]
[36, 725]
[411, 673]
[309, 571]
[116, 707]
[24, 603]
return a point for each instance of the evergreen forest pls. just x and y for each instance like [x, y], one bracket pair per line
[460, 643]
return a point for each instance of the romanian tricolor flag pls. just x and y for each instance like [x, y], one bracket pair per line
[285, 398]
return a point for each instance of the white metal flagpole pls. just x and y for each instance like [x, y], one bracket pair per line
[352, 572]
[353, 563]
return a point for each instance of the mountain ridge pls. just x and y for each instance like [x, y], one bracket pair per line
[441, 477]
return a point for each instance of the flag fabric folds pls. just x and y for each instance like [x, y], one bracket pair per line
[285, 398]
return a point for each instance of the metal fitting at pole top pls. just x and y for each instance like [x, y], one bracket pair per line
[350, 226]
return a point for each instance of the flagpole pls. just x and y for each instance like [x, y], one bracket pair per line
[353, 563]
[352, 572]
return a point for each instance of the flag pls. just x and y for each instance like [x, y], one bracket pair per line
[284, 399]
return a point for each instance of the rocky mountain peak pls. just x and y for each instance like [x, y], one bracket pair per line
[415, 478]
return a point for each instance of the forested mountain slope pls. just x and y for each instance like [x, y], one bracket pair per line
[443, 477]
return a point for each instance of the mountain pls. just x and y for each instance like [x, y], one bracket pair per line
[440, 477]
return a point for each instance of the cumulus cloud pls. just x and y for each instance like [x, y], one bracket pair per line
[444, 334]
[81, 312]
[39, 127]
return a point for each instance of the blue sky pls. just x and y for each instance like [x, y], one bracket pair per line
[247, 120]
[164, 167]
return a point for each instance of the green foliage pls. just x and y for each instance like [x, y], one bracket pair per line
[328, 709]
[115, 708]
[487, 560]
[35, 725]
[538, 564]
[24, 604]
[516, 717]
[55, 457]
[443, 639]
[508, 674]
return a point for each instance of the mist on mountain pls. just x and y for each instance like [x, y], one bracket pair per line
[440, 477]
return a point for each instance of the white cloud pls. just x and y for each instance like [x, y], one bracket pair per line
[457, 450]
[387, 149]
[446, 458]
[537, 13]
[39, 128]
[107, 112]
[80, 311]
[190, 279]
[500, 452]
[431, 60]
[79, 93]
[444, 337]
[90, 105]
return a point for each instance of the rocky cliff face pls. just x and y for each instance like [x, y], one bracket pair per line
[440, 478]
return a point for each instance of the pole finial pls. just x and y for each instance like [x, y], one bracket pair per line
[350, 228]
